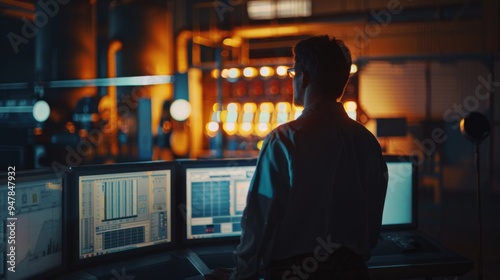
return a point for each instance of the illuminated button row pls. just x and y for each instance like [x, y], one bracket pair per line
[250, 118]
[250, 72]
[264, 71]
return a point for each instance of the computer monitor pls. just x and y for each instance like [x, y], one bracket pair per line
[214, 194]
[31, 223]
[401, 204]
[116, 210]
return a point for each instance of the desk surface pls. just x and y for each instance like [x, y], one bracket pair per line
[426, 259]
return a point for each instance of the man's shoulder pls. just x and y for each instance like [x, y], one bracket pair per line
[281, 132]
[360, 128]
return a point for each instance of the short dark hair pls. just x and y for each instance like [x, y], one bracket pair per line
[327, 60]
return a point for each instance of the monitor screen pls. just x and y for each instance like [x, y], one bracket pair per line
[31, 223]
[400, 200]
[121, 208]
[216, 193]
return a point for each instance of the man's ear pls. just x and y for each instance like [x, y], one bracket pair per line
[305, 79]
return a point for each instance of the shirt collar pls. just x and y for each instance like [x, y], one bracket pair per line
[328, 108]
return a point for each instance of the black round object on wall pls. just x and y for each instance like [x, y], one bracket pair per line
[475, 126]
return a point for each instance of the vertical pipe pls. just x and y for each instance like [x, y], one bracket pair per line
[219, 136]
[146, 32]
[113, 48]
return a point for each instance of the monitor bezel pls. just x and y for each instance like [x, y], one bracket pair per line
[71, 184]
[43, 174]
[182, 203]
[414, 184]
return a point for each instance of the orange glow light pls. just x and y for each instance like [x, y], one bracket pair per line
[249, 107]
[250, 72]
[212, 128]
[350, 106]
[70, 127]
[216, 117]
[225, 73]
[233, 107]
[232, 42]
[283, 107]
[234, 73]
[263, 127]
[266, 107]
[354, 68]
[37, 131]
[298, 112]
[266, 71]
[281, 71]
[246, 129]
[214, 73]
[83, 133]
[259, 144]
[229, 128]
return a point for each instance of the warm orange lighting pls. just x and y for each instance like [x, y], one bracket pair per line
[233, 107]
[70, 127]
[214, 73]
[37, 131]
[264, 117]
[83, 133]
[229, 128]
[180, 110]
[266, 71]
[298, 112]
[250, 72]
[223, 116]
[230, 116]
[179, 141]
[281, 118]
[281, 71]
[246, 129]
[113, 48]
[266, 107]
[263, 127]
[216, 116]
[462, 124]
[166, 127]
[259, 144]
[283, 107]
[350, 106]
[246, 126]
[232, 42]
[225, 73]
[212, 128]
[249, 107]
[247, 117]
[234, 73]
[352, 114]
[267, 31]
[354, 68]
[182, 50]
